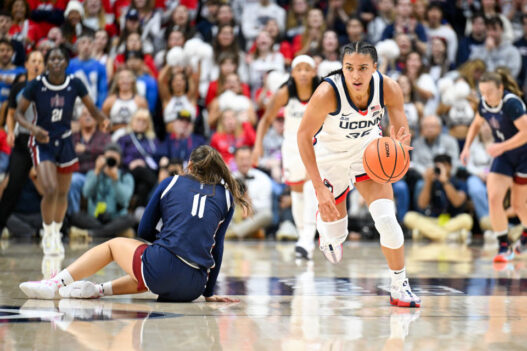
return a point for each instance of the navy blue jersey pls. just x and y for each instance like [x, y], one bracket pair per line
[501, 118]
[54, 103]
[194, 217]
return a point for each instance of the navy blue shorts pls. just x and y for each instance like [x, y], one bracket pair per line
[168, 276]
[59, 151]
[512, 165]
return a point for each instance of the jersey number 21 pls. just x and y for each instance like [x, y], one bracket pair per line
[56, 115]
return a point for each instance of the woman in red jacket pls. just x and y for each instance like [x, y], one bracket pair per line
[232, 134]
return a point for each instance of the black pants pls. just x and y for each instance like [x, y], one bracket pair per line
[22, 225]
[19, 165]
[145, 179]
[111, 228]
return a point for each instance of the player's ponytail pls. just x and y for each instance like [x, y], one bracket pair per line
[503, 78]
[207, 166]
[508, 81]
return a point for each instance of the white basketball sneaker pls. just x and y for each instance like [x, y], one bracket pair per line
[332, 252]
[43, 289]
[52, 244]
[81, 289]
[401, 295]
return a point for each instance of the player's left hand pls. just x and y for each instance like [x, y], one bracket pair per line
[495, 149]
[220, 299]
[402, 136]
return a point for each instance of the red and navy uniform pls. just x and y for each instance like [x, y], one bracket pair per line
[54, 105]
[185, 258]
[512, 163]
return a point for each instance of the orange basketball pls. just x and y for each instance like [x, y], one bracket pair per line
[385, 160]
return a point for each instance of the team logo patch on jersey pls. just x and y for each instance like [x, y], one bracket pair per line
[57, 101]
[494, 123]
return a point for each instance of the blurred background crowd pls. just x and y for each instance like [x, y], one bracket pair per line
[173, 75]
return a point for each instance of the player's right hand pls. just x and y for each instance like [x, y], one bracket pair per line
[41, 135]
[464, 156]
[327, 205]
[220, 299]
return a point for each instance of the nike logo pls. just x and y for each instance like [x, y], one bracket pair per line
[349, 114]
[398, 272]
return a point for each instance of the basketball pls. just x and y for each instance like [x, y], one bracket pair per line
[385, 160]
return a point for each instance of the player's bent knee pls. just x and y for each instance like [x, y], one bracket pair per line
[383, 214]
[333, 232]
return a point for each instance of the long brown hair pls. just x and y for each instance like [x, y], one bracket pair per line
[468, 71]
[208, 167]
[502, 77]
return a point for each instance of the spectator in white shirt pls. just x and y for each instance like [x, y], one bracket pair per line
[435, 28]
[255, 17]
[259, 191]
[498, 51]
[263, 60]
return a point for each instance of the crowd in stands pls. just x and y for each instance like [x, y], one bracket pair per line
[173, 75]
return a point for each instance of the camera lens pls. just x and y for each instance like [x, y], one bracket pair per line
[437, 170]
[111, 162]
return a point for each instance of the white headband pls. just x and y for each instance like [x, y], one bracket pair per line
[303, 59]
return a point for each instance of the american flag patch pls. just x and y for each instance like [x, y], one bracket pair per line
[375, 108]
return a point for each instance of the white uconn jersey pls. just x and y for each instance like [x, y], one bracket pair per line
[293, 113]
[348, 127]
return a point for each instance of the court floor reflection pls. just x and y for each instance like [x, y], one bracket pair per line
[468, 304]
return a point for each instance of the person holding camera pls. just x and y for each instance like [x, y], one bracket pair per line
[108, 190]
[89, 144]
[441, 199]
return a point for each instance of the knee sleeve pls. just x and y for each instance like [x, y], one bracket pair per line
[383, 214]
[297, 207]
[333, 232]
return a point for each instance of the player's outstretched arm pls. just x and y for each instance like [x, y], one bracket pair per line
[278, 100]
[473, 130]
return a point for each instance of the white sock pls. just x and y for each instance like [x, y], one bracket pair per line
[398, 275]
[48, 228]
[297, 207]
[64, 277]
[57, 226]
[107, 288]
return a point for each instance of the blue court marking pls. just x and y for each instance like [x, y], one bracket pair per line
[323, 286]
[19, 314]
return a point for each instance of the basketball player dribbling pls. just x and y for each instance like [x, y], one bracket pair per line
[294, 95]
[340, 120]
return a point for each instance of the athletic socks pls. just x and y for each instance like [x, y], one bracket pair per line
[398, 276]
[57, 226]
[64, 277]
[107, 288]
[48, 228]
[503, 239]
[523, 237]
